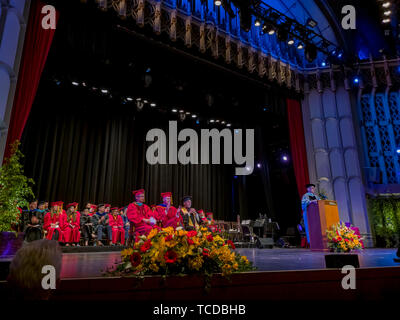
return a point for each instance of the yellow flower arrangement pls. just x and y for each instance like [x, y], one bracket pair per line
[168, 252]
[343, 239]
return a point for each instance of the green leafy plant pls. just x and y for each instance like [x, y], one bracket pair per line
[322, 194]
[384, 215]
[15, 189]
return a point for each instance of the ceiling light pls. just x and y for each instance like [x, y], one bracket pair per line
[290, 42]
[218, 2]
[257, 23]
[386, 4]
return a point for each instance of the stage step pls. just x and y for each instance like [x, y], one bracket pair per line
[92, 249]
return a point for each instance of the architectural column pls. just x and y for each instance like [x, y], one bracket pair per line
[13, 20]
[332, 152]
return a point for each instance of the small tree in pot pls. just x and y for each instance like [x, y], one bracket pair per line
[15, 189]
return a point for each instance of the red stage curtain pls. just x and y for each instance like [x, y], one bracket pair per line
[34, 55]
[297, 144]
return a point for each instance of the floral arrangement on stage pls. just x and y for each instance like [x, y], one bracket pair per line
[342, 238]
[178, 252]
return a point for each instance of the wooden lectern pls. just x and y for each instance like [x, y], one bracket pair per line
[320, 217]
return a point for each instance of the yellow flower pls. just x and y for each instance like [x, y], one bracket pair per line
[244, 259]
[153, 267]
[127, 252]
[196, 263]
[152, 233]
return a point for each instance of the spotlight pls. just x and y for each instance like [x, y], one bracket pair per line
[285, 158]
[257, 23]
[398, 151]
[310, 52]
[145, 101]
[174, 110]
[228, 124]
[218, 2]
[212, 121]
[387, 20]
[386, 4]
[258, 165]
[290, 42]
[138, 99]
[222, 122]
[387, 13]
[323, 64]
[197, 122]
[356, 80]
[181, 111]
[152, 105]
[194, 116]
[129, 99]
[83, 84]
[188, 113]
[105, 91]
[300, 46]
[75, 83]
[311, 22]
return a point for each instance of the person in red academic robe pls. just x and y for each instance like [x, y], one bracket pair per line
[92, 209]
[70, 225]
[117, 226]
[140, 215]
[52, 222]
[165, 213]
[211, 222]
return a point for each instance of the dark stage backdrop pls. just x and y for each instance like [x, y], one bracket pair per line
[82, 149]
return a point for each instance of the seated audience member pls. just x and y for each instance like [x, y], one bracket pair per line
[126, 223]
[71, 224]
[46, 206]
[86, 226]
[25, 276]
[117, 226]
[166, 214]
[109, 232]
[52, 222]
[100, 222]
[211, 222]
[140, 215]
[26, 215]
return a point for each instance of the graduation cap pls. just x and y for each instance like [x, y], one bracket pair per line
[107, 205]
[166, 194]
[72, 204]
[186, 198]
[114, 208]
[310, 185]
[139, 192]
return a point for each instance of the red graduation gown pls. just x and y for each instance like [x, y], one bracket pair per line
[136, 214]
[70, 228]
[117, 227]
[167, 218]
[48, 220]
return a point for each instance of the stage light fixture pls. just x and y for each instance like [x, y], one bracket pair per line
[258, 165]
[188, 113]
[197, 122]
[398, 151]
[223, 122]
[387, 20]
[174, 110]
[105, 91]
[217, 2]
[228, 124]
[285, 158]
[290, 42]
[216, 120]
[387, 13]
[386, 4]
[310, 52]
[300, 46]
[84, 84]
[212, 121]
[257, 23]
[129, 99]
[152, 105]
[138, 99]
[194, 116]
[311, 22]
[74, 83]
[181, 111]
[356, 80]
[268, 28]
[323, 64]
[145, 101]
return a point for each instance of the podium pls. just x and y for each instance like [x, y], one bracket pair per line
[320, 217]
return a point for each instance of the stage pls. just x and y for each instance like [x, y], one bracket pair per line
[283, 274]
[92, 264]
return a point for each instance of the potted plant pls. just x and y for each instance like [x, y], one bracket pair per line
[15, 188]
[343, 240]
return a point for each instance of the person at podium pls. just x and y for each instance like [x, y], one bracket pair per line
[306, 200]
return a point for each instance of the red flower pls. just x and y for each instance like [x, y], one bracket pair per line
[210, 238]
[145, 246]
[170, 256]
[206, 252]
[190, 241]
[347, 240]
[231, 244]
[192, 233]
[168, 238]
[339, 238]
[136, 258]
